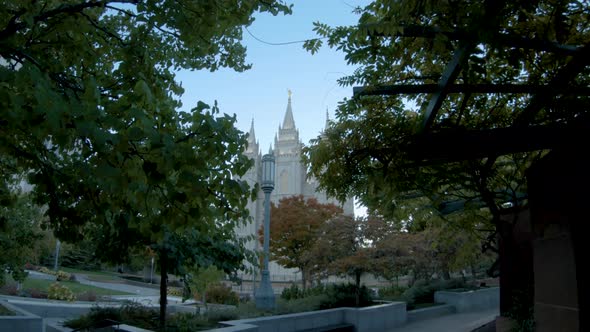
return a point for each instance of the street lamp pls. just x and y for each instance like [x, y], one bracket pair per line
[265, 297]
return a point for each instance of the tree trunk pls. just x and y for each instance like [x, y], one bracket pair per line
[163, 287]
[357, 280]
[446, 274]
[303, 278]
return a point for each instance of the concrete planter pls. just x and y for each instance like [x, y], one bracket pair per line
[482, 299]
[375, 318]
[428, 313]
[22, 321]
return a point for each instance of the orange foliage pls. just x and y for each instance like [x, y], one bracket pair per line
[294, 225]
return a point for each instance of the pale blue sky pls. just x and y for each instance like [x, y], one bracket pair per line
[261, 92]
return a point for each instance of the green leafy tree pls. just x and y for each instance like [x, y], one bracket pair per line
[294, 229]
[372, 150]
[90, 114]
[199, 278]
[19, 227]
[343, 247]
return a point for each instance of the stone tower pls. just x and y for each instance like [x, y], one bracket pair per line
[290, 180]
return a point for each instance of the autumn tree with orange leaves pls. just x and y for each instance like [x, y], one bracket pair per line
[294, 229]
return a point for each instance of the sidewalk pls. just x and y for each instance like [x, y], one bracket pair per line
[122, 287]
[461, 322]
[143, 295]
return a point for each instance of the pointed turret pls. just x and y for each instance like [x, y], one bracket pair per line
[287, 142]
[252, 136]
[327, 119]
[252, 143]
[288, 122]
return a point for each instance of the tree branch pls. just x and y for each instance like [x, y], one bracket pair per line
[13, 27]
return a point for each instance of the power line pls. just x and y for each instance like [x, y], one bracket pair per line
[283, 43]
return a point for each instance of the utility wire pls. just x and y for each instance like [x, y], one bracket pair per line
[283, 43]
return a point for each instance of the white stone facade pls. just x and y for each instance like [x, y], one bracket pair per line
[290, 180]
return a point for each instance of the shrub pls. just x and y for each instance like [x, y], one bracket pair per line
[176, 283]
[78, 258]
[221, 315]
[391, 292]
[37, 294]
[186, 322]
[423, 291]
[308, 303]
[138, 315]
[94, 318]
[9, 289]
[58, 291]
[30, 267]
[5, 311]
[221, 294]
[344, 295]
[63, 276]
[292, 293]
[174, 291]
[130, 313]
[87, 296]
[45, 270]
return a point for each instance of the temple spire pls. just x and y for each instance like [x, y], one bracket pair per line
[252, 143]
[288, 122]
[327, 119]
[252, 135]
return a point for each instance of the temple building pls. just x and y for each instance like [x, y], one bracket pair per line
[290, 180]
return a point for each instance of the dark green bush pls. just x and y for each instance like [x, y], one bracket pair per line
[392, 292]
[221, 294]
[308, 303]
[344, 295]
[221, 315]
[186, 322]
[89, 296]
[132, 314]
[292, 293]
[333, 296]
[78, 258]
[95, 318]
[423, 291]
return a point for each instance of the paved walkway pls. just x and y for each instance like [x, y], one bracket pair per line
[461, 322]
[121, 287]
[144, 295]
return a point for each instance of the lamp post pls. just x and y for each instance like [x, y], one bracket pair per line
[265, 297]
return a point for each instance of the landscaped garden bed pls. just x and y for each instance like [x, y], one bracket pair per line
[43, 289]
[293, 300]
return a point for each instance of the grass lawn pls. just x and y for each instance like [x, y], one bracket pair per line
[102, 276]
[77, 288]
[90, 273]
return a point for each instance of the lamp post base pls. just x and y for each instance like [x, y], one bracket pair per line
[265, 297]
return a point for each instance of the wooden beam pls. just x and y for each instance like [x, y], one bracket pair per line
[449, 75]
[494, 39]
[398, 89]
[457, 145]
[561, 80]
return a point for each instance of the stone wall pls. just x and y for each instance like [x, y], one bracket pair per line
[21, 322]
[482, 299]
[369, 319]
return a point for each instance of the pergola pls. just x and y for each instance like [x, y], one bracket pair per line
[558, 184]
